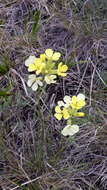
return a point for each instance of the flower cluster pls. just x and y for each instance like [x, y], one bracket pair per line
[68, 109]
[45, 69]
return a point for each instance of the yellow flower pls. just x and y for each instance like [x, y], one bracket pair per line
[34, 82]
[70, 130]
[54, 56]
[58, 113]
[37, 66]
[61, 113]
[33, 66]
[41, 68]
[78, 102]
[30, 60]
[67, 109]
[65, 113]
[50, 79]
[62, 70]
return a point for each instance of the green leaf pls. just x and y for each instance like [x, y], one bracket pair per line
[5, 93]
[3, 69]
[35, 25]
[4, 66]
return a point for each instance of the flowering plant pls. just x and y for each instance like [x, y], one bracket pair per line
[68, 109]
[45, 68]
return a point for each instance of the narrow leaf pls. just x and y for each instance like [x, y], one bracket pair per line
[5, 93]
[35, 25]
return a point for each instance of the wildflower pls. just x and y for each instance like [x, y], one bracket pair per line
[37, 66]
[34, 82]
[78, 101]
[70, 130]
[62, 70]
[50, 55]
[58, 113]
[61, 113]
[50, 79]
[33, 65]
[41, 68]
[46, 67]
[69, 107]
[45, 64]
[30, 60]
[66, 114]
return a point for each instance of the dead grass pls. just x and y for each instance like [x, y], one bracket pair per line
[33, 153]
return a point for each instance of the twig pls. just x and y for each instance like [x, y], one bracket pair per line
[92, 79]
[24, 86]
[26, 183]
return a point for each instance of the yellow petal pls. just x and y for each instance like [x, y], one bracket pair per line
[70, 130]
[43, 57]
[37, 61]
[60, 64]
[56, 56]
[64, 68]
[73, 101]
[32, 67]
[57, 109]
[63, 74]
[80, 104]
[66, 113]
[38, 72]
[49, 53]
[58, 116]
